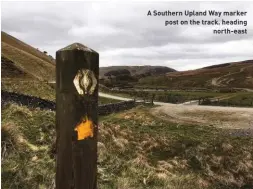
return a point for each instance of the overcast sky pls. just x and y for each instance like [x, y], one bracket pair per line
[123, 34]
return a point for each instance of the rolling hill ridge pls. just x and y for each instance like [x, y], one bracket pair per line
[22, 63]
[230, 75]
[137, 71]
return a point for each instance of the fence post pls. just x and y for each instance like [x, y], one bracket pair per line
[152, 99]
[77, 70]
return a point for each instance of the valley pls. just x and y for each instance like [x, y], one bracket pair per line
[197, 133]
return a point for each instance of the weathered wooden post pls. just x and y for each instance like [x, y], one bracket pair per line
[77, 70]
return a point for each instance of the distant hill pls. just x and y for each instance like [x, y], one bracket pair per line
[27, 70]
[128, 76]
[231, 75]
[137, 71]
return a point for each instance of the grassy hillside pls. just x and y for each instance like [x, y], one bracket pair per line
[28, 63]
[29, 87]
[10, 70]
[136, 150]
[25, 70]
[236, 75]
[243, 99]
[15, 79]
[8, 39]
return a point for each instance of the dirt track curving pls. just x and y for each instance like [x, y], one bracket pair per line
[223, 117]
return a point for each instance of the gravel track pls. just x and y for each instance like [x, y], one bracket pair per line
[222, 117]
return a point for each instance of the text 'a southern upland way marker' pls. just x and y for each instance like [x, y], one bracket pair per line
[77, 70]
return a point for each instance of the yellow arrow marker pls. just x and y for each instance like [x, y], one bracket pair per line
[84, 129]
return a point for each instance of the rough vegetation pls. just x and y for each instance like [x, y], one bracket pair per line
[150, 153]
[27, 136]
[136, 150]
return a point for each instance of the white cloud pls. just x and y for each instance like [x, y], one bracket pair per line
[123, 34]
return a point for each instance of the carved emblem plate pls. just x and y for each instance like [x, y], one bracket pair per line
[85, 82]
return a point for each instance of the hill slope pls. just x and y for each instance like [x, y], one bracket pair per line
[8, 39]
[232, 75]
[27, 58]
[10, 70]
[23, 61]
[25, 69]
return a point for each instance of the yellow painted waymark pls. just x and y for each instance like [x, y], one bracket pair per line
[84, 129]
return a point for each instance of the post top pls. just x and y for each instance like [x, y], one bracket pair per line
[77, 46]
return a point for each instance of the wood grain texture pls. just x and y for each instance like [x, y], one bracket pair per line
[76, 159]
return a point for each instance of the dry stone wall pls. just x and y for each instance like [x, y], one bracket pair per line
[35, 102]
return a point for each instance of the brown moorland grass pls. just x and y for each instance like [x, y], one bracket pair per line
[10, 40]
[238, 75]
[136, 150]
[29, 63]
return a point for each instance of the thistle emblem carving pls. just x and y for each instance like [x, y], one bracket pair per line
[85, 82]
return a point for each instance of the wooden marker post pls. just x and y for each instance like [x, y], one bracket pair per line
[77, 70]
